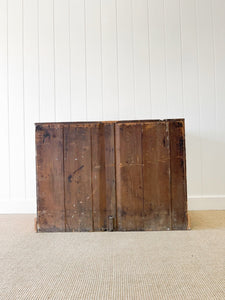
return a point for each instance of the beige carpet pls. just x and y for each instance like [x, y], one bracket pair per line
[118, 265]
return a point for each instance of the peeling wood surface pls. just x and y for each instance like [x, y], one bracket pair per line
[97, 176]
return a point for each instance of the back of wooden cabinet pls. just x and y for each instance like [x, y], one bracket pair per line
[97, 176]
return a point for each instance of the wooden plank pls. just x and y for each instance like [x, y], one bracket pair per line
[129, 179]
[50, 187]
[110, 175]
[156, 176]
[103, 176]
[178, 174]
[77, 174]
[98, 177]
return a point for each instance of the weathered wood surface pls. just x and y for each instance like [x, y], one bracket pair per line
[129, 176]
[50, 181]
[156, 160]
[77, 179]
[178, 175]
[126, 175]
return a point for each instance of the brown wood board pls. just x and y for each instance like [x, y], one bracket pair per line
[124, 175]
[50, 182]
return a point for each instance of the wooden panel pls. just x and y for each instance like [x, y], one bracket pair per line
[129, 179]
[50, 187]
[110, 179]
[139, 186]
[98, 178]
[103, 175]
[77, 174]
[178, 175]
[156, 172]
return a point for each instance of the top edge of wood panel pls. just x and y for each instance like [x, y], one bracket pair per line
[108, 122]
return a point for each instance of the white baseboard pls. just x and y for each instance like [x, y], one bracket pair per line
[204, 202]
[18, 207]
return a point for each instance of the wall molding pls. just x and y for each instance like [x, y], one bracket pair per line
[200, 202]
[206, 202]
[18, 207]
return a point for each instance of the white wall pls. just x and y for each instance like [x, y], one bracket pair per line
[68, 60]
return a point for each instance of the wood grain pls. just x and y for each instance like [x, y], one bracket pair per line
[97, 176]
[156, 159]
[178, 174]
[77, 176]
[129, 177]
[50, 183]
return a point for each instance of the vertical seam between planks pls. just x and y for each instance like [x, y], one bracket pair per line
[149, 61]
[117, 61]
[7, 41]
[115, 173]
[181, 59]
[85, 59]
[199, 104]
[170, 174]
[92, 216]
[64, 183]
[53, 30]
[24, 130]
[142, 153]
[69, 37]
[105, 216]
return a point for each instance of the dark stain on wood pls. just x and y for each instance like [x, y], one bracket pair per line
[46, 135]
[98, 176]
[39, 128]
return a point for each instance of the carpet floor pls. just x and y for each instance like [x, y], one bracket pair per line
[113, 265]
